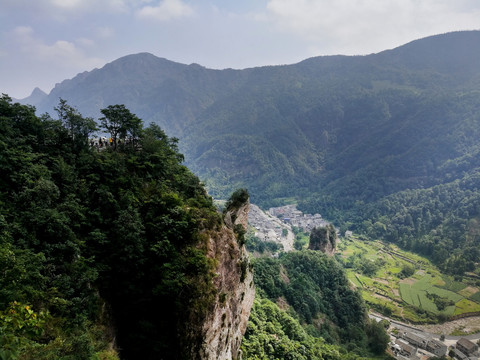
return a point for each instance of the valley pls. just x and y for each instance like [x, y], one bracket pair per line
[280, 224]
[385, 146]
[397, 283]
[426, 313]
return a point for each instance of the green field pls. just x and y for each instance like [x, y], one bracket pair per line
[416, 294]
[475, 297]
[426, 295]
[453, 285]
[466, 306]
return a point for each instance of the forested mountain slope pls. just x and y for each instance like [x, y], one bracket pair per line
[157, 90]
[337, 132]
[111, 250]
[331, 120]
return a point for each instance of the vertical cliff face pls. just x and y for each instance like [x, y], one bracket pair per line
[227, 321]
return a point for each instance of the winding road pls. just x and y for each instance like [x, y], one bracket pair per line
[449, 339]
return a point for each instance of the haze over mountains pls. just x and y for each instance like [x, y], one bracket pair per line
[353, 127]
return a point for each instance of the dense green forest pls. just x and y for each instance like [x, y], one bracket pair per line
[272, 333]
[98, 245]
[312, 290]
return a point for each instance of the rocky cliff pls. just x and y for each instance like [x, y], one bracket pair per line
[323, 239]
[226, 323]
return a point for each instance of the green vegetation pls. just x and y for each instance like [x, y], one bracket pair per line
[452, 285]
[274, 334]
[476, 297]
[404, 285]
[120, 123]
[423, 295]
[94, 241]
[255, 245]
[312, 289]
[97, 245]
[239, 197]
[376, 144]
[385, 144]
[301, 238]
[323, 238]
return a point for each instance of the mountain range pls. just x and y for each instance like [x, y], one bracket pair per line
[385, 145]
[351, 128]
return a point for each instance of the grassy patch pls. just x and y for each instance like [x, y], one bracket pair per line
[452, 285]
[445, 294]
[416, 294]
[353, 278]
[365, 280]
[407, 294]
[475, 297]
[466, 306]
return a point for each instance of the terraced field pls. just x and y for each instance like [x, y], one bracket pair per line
[424, 296]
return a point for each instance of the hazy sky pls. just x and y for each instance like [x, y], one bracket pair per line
[43, 42]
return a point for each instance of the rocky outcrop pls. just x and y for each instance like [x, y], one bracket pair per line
[323, 239]
[226, 323]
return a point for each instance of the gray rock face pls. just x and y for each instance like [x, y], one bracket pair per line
[226, 323]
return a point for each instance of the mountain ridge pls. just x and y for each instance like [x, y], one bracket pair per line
[283, 130]
[128, 67]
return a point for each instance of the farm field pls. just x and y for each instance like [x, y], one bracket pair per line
[404, 285]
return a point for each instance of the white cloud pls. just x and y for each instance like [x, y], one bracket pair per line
[88, 6]
[361, 26]
[23, 32]
[67, 4]
[29, 60]
[85, 42]
[166, 10]
[60, 54]
[105, 32]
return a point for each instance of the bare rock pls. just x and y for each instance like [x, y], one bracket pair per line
[225, 325]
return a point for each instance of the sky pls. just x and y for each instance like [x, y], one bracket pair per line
[43, 42]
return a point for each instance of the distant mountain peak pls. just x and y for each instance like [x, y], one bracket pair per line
[37, 96]
[38, 92]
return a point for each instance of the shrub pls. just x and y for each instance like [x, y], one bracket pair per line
[238, 198]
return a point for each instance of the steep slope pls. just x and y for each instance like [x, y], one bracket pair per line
[226, 323]
[113, 252]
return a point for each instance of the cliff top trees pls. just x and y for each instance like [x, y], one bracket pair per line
[84, 224]
[120, 122]
[79, 128]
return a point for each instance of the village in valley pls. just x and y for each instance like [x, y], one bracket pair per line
[407, 342]
[418, 345]
[277, 224]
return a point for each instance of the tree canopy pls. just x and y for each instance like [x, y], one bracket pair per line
[97, 244]
[120, 123]
[315, 286]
